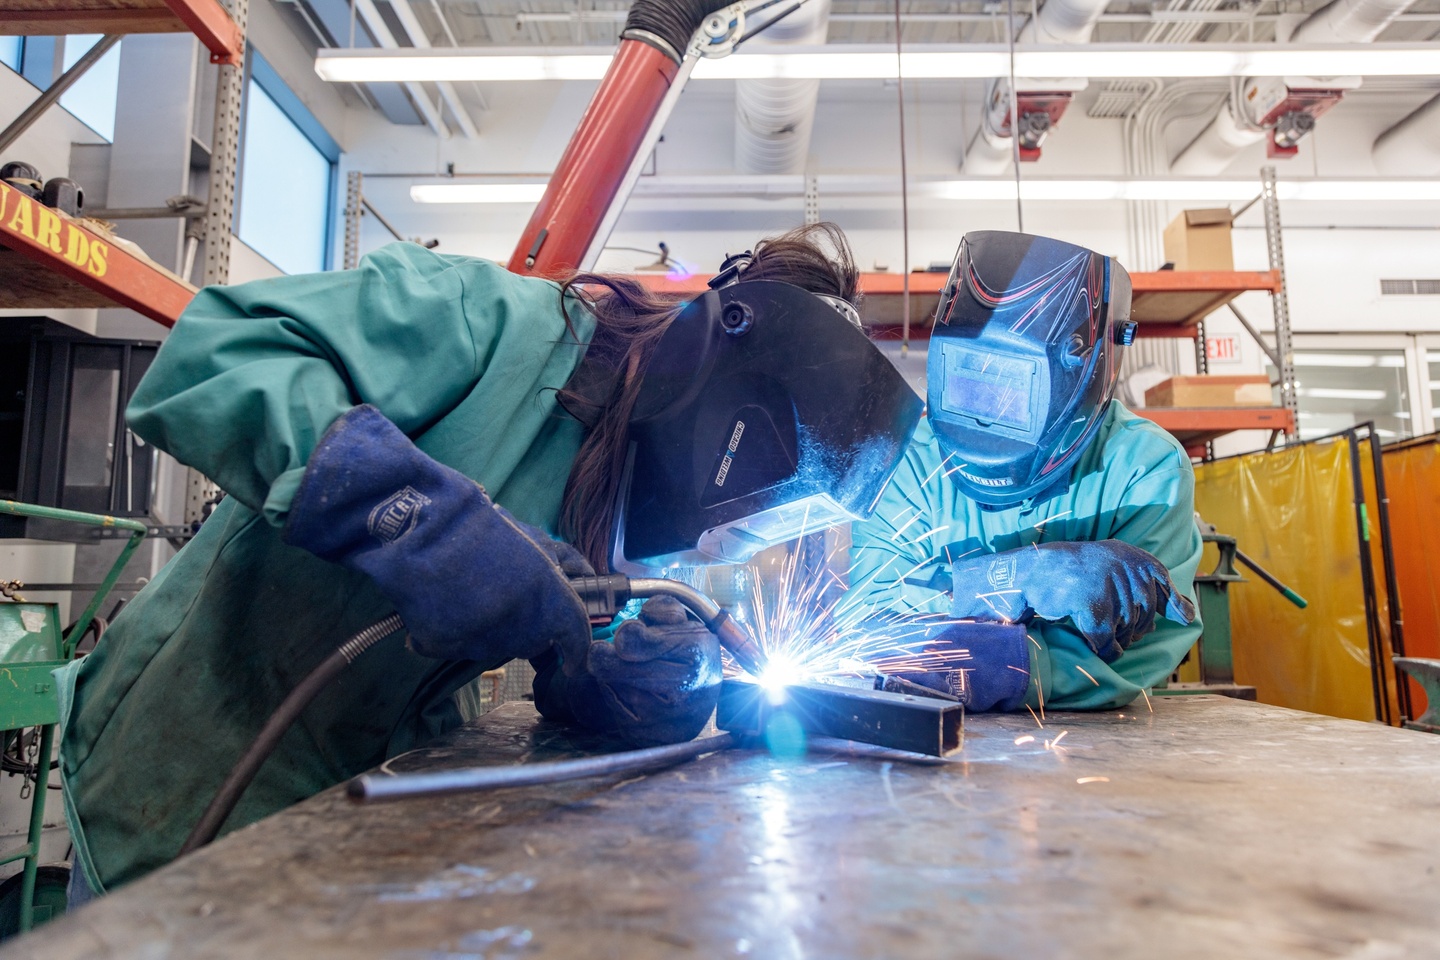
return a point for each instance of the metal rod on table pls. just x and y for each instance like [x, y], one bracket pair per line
[64, 82]
[370, 786]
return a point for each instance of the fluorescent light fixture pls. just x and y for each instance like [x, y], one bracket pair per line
[872, 62]
[1347, 360]
[477, 192]
[1340, 393]
[1217, 191]
[667, 189]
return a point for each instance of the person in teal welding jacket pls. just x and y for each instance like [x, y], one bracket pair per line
[390, 439]
[1029, 494]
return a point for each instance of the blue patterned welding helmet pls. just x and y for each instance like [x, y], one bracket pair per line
[1023, 360]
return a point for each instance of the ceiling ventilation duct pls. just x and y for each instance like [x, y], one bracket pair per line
[1284, 110]
[1412, 146]
[1039, 103]
[773, 118]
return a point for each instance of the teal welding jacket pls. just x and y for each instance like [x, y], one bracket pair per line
[1134, 483]
[463, 356]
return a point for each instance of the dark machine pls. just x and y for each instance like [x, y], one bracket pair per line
[63, 438]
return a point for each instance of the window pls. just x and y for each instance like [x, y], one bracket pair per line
[1338, 387]
[1433, 358]
[287, 170]
[10, 52]
[92, 98]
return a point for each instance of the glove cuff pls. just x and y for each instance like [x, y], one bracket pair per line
[365, 485]
[997, 676]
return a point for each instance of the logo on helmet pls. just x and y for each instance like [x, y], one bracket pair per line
[396, 515]
[988, 481]
[730, 453]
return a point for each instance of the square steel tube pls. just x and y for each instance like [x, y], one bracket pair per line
[899, 721]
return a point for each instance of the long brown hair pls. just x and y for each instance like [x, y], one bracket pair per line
[629, 322]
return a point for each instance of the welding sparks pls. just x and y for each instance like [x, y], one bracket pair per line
[1028, 738]
[794, 616]
[1147, 700]
[1087, 674]
[1093, 780]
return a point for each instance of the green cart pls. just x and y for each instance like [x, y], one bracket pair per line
[31, 647]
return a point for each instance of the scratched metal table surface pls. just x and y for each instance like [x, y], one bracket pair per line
[1207, 828]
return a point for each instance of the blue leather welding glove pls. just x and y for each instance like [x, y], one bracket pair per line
[1110, 590]
[657, 683]
[470, 581]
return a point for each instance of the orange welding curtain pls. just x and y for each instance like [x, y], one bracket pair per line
[1293, 512]
[1412, 481]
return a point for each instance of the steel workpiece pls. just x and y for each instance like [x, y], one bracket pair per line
[899, 721]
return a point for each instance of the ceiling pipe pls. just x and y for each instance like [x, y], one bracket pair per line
[774, 118]
[1411, 147]
[1040, 104]
[1278, 109]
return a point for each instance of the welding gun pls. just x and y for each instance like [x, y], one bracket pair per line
[606, 596]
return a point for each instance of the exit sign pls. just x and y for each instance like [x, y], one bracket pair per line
[1222, 349]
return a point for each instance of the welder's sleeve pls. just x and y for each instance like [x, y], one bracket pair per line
[253, 375]
[1156, 513]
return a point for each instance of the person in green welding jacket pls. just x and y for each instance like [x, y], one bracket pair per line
[1029, 494]
[390, 439]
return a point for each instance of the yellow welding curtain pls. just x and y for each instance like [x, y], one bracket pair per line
[1412, 481]
[1293, 512]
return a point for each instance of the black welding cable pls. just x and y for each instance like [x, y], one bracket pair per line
[280, 721]
[673, 22]
[370, 787]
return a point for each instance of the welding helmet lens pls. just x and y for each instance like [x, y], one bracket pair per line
[764, 414]
[1023, 360]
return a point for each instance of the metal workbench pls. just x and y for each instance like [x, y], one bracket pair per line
[1207, 828]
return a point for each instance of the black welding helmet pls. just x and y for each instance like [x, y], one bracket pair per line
[1023, 360]
[765, 413]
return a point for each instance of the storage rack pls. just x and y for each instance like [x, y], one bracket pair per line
[47, 270]
[49, 260]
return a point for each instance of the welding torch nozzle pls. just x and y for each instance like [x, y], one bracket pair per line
[605, 596]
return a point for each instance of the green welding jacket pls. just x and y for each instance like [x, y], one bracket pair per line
[465, 358]
[1134, 483]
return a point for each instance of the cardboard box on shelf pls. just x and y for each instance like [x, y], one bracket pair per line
[1200, 240]
[1248, 390]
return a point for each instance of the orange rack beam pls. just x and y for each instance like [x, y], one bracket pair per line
[48, 260]
[1195, 426]
[204, 18]
[1171, 303]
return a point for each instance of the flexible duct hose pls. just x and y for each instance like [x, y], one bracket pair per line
[672, 21]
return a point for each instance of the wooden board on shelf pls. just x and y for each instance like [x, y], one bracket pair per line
[49, 261]
[204, 18]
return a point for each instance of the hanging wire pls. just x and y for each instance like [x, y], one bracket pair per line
[904, 196]
[1014, 114]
